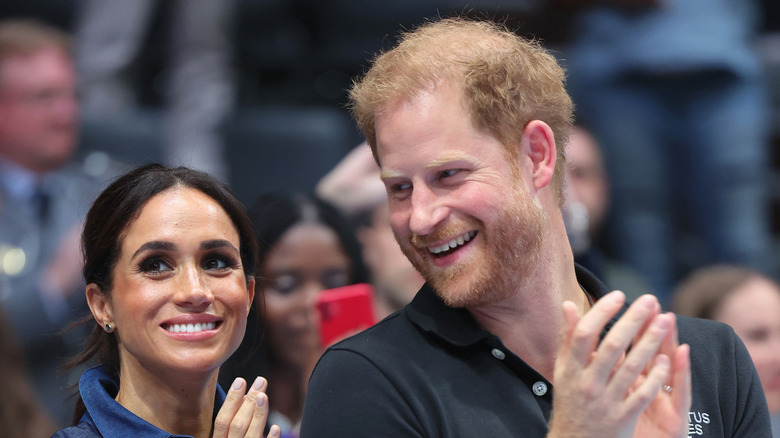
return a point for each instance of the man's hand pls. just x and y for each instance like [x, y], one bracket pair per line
[667, 415]
[601, 390]
[244, 415]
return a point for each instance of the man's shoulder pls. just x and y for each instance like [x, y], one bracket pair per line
[697, 330]
[392, 331]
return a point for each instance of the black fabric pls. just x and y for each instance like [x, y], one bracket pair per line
[430, 371]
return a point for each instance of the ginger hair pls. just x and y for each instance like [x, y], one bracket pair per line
[506, 80]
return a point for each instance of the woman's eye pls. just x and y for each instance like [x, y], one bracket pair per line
[216, 263]
[285, 284]
[335, 278]
[154, 266]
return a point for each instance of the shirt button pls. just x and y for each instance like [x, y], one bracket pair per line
[540, 388]
[498, 354]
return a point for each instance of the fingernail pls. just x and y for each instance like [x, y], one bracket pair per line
[257, 384]
[237, 383]
[275, 431]
[260, 400]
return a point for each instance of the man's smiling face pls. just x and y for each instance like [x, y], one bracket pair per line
[460, 209]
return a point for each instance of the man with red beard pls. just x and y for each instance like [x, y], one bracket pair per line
[467, 122]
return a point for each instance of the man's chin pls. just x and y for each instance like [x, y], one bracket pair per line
[457, 293]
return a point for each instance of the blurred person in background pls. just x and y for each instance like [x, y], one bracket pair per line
[306, 246]
[749, 302]
[198, 84]
[21, 411]
[44, 193]
[355, 187]
[585, 209]
[674, 92]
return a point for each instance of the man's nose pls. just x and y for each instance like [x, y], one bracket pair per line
[428, 210]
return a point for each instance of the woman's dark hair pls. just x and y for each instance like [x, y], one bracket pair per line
[107, 222]
[21, 412]
[272, 215]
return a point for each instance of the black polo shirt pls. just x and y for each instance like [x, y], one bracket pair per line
[430, 370]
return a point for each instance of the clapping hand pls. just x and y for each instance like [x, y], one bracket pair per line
[244, 415]
[604, 389]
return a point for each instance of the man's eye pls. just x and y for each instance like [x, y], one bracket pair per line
[447, 173]
[400, 187]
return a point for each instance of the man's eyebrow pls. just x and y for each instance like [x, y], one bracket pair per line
[155, 245]
[387, 174]
[441, 160]
[446, 158]
[218, 243]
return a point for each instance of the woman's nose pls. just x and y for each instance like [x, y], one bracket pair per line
[193, 291]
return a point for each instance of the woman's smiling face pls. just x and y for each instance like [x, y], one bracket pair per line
[180, 297]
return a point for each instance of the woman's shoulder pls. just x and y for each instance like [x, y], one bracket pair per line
[81, 430]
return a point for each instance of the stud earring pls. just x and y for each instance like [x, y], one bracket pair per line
[108, 328]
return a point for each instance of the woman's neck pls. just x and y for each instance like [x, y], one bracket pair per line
[286, 391]
[175, 404]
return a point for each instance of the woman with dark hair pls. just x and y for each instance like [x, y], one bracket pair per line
[169, 262]
[306, 246]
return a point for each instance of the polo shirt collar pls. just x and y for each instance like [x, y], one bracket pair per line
[98, 386]
[458, 327]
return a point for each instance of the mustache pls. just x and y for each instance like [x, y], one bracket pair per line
[443, 232]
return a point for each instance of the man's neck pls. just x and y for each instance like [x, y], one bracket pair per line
[529, 322]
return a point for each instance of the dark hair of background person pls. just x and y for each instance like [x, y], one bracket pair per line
[702, 292]
[104, 228]
[272, 214]
[21, 413]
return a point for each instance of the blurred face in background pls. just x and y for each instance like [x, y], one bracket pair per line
[586, 177]
[38, 109]
[395, 279]
[753, 311]
[306, 260]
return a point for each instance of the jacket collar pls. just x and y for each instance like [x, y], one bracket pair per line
[98, 386]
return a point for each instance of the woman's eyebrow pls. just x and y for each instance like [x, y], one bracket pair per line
[155, 245]
[217, 243]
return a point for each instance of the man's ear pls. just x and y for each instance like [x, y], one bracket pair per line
[538, 142]
[100, 305]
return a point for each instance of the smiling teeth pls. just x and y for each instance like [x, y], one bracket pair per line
[190, 328]
[454, 243]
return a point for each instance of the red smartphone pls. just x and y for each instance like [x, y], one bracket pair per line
[345, 311]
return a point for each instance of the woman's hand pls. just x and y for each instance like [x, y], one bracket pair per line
[244, 415]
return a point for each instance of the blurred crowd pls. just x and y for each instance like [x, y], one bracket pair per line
[673, 163]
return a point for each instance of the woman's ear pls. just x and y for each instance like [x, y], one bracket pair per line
[250, 289]
[539, 143]
[100, 305]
